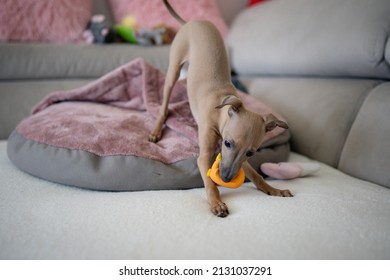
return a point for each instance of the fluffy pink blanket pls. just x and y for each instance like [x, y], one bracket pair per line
[114, 115]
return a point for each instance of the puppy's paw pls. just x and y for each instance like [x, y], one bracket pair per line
[220, 209]
[284, 193]
[154, 138]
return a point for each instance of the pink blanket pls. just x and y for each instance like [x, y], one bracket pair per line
[114, 115]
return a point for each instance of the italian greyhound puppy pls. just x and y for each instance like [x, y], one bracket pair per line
[216, 108]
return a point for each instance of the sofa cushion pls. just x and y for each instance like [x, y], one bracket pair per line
[61, 21]
[47, 61]
[312, 37]
[366, 154]
[320, 112]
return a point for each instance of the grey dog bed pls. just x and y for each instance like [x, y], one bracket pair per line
[96, 137]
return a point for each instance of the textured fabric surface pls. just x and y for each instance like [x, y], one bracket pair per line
[153, 12]
[61, 21]
[312, 37]
[320, 111]
[331, 216]
[95, 123]
[108, 131]
[366, 154]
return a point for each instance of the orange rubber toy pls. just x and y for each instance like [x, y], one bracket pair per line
[213, 173]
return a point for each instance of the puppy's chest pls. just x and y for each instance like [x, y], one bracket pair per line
[194, 109]
[203, 111]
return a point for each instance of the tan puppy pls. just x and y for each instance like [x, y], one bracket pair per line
[216, 108]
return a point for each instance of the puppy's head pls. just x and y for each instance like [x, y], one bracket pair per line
[242, 135]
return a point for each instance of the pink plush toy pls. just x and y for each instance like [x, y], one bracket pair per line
[289, 170]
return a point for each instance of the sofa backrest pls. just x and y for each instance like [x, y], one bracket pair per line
[347, 38]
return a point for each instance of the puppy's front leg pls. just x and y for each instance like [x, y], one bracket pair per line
[217, 207]
[170, 80]
[261, 184]
[207, 144]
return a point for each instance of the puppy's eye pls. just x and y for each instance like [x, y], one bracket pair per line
[228, 144]
[250, 154]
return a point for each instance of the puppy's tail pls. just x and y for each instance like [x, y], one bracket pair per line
[173, 12]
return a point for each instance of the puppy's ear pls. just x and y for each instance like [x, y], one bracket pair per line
[234, 102]
[272, 122]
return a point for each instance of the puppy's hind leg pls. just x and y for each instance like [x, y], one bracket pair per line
[170, 80]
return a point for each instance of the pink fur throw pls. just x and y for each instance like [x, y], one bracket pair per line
[153, 12]
[51, 21]
[114, 115]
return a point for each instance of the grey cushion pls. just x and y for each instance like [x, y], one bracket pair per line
[46, 61]
[115, 173]
[87, 170]
[320, 111]
[367, 150]
[312, 37]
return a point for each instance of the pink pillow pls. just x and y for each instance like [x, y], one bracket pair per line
[51, 21]
[153, 12]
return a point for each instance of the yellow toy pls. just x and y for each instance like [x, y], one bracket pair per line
[130, 21]
[132, 33]
[213, 173]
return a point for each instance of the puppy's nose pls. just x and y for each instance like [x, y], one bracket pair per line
[226, 179]
[225, 175]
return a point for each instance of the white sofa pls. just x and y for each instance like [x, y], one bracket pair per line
[336, 101]
[332, 216]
